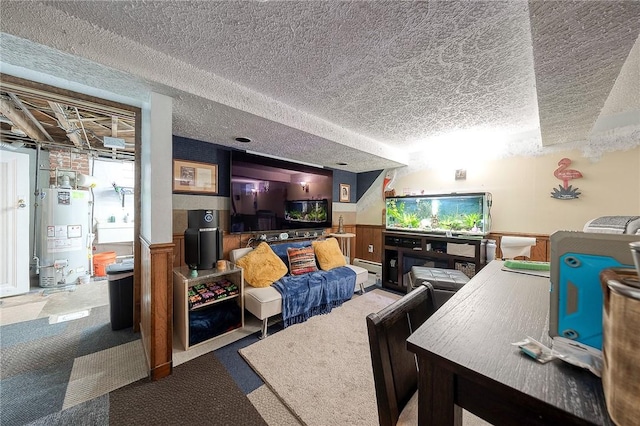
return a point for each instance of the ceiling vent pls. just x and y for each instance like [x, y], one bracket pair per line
[110, 142]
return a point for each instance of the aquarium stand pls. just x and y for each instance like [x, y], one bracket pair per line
[402, 250]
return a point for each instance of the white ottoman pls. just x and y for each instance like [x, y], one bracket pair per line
[445, 282]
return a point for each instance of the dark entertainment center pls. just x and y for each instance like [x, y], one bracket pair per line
[402, 250]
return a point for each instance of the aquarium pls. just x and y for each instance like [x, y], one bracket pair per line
[458, 214]
[303, 213]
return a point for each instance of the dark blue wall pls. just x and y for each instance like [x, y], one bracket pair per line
[365, 180]
[205, 152]
[359, 182]
[340, 176]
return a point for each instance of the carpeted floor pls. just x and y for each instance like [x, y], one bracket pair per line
[333, 373]
[200, 391]
[217, 388]
[68, 383]
[47, 367]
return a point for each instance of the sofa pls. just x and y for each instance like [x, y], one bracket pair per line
[266, 301]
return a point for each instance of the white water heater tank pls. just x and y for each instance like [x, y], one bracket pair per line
[64, 235]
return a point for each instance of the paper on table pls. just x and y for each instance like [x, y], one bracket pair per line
[533, 272]
[516, 246]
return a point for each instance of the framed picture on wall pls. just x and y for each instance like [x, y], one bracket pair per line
[194, 177]
[345, 193]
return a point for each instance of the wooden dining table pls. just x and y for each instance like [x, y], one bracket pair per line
[467, 359]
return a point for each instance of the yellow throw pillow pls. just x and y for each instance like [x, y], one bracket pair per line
[328, 254]
[261, 266]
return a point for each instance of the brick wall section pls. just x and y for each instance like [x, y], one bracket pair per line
[67, 160]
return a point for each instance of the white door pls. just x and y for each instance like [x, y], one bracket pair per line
[14, 223]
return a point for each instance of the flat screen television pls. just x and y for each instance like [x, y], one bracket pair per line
[269, 194]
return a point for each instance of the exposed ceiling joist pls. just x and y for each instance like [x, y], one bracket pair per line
[63, 121]
[70, 128]
[114, 130]
[28, 113]
[21, 120]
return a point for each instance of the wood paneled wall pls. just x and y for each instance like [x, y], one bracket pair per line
[372, 234]
[234, 241]
[156, 307]
[365, 235]
[540, 252]
[369, 235]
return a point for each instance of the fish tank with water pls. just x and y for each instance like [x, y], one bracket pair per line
[307, 213]
[459, 214]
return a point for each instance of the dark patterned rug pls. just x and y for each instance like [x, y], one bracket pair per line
[200, 391]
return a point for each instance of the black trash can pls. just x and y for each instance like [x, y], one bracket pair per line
[120, 276]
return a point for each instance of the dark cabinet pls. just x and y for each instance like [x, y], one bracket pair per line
[402, 250]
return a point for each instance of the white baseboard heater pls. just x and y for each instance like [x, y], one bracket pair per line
[373, 267]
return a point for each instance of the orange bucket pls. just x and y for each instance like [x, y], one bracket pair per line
[101, 261]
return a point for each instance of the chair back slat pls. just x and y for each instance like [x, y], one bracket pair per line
[395, 371]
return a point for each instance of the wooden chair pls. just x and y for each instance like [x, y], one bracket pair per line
[395, 371]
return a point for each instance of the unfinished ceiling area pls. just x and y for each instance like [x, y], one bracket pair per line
[29, 116]
[373, 84]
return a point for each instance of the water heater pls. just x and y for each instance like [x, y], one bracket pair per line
[202, 239]
[64, 236]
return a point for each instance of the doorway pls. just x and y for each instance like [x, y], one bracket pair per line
[65, 134]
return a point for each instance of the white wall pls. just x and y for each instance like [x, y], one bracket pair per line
[521, 189]
[106, 200]
[157, 176]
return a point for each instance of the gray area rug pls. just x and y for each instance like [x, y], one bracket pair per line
[321, 369]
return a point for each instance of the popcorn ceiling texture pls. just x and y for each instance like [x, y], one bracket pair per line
[576, 62]
[366, 83]
[625, 95]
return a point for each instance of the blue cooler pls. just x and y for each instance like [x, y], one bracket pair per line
[576, 304]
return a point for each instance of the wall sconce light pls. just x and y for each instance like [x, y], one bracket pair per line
[305, 186]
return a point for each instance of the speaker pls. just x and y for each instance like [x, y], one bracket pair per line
[202, 219]
[202, 247]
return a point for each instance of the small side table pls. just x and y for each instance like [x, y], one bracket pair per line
[345, 243]
[219, 307]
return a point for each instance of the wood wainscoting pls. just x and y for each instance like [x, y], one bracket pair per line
[240, 240]
[365, 235]
[372, 235]
[539, 252]
[156, 307]
[369, 235]
[234, 241]
[229, 242]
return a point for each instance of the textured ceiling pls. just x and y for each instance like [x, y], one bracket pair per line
[362, 82]
[576, 62]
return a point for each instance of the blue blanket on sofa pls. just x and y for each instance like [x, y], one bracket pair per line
[315, 293]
